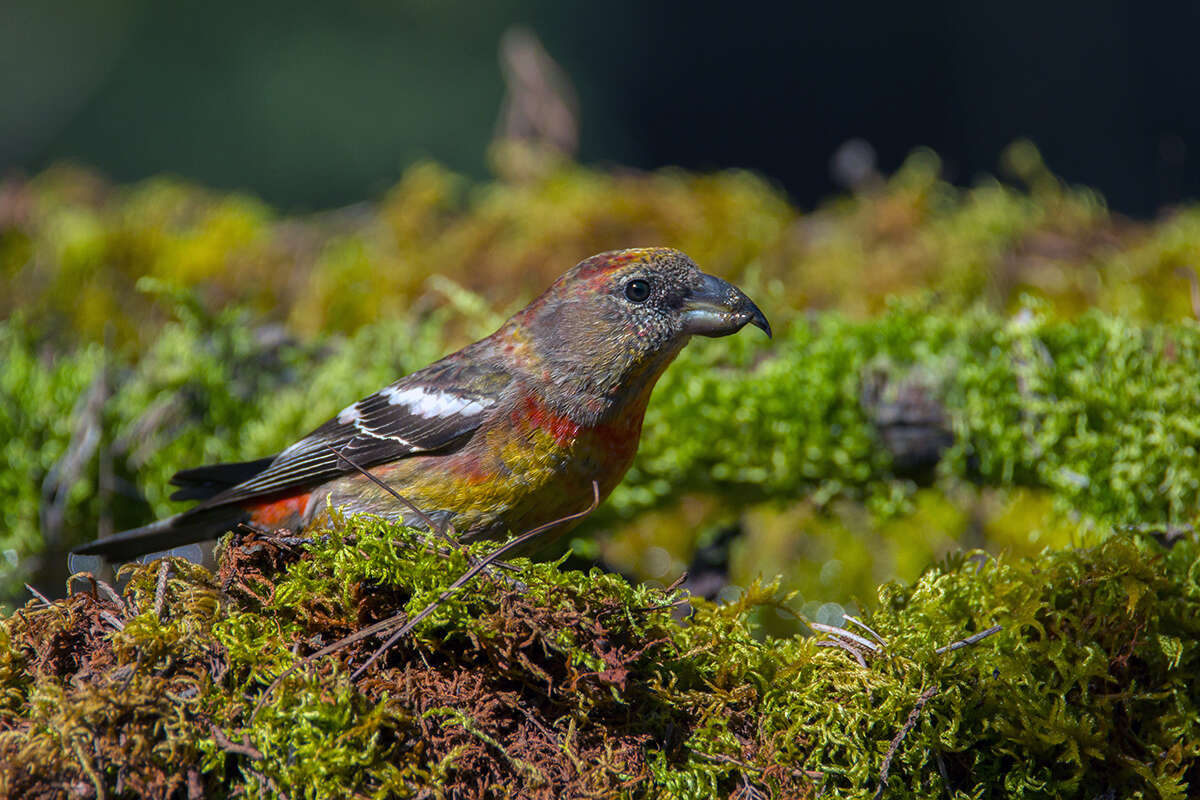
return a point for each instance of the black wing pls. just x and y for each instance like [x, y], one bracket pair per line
[429, 410]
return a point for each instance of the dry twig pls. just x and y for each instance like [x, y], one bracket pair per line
[845, 634]
[909, 724]
[109, 592]
[112, 620]
[849, 641]
[970, 640]
[866, 628]
[507, 547]
[228, 746]
[38, 595]
[160, 589]
[444, 531]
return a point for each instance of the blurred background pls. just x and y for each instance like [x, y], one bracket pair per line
[312, 104]
[973, 226]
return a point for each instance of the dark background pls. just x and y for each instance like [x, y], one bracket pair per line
[315, 104]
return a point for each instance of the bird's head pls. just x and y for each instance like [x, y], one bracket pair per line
[618, 318]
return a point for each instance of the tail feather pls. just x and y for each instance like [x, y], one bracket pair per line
[190, 526]
[201, 483]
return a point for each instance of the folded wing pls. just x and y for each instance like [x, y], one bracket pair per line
[435, 409]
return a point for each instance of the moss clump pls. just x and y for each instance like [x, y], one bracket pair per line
[1099, 410]
[552, 683]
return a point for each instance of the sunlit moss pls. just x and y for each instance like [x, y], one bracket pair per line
[1057, 338]
[1096, 414]
[580, 681]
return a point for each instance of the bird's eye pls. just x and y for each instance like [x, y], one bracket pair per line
[637, 290]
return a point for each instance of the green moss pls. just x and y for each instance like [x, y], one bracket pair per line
[215, 314]
[1055, 360]
[1097, 410]
[1095, 413]
[571, 682]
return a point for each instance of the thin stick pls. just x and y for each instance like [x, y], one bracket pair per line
[38, 595]
[675, 584]
[844, 645]
[845, 634]
[357, 636]
[866, 628]
[229, 746]
[160, 590]
[111, 620]
[909, 724]
[970, 640]
[441, 531]
[662, 606]
[507, 547]
[111, 593]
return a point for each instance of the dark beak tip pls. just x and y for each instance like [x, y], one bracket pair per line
[757, 318]
[760, 321]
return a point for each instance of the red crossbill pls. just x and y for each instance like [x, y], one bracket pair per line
[505, 435]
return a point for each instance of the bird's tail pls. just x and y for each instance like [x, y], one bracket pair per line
[191, 526]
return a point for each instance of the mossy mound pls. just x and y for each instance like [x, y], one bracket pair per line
[547, 683]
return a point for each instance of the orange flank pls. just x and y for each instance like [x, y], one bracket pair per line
[278, 511]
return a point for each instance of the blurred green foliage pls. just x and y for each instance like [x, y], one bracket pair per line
[574, 682]
[73, 248]
[1093, 419]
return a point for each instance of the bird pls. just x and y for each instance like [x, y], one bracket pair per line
[503, 436]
